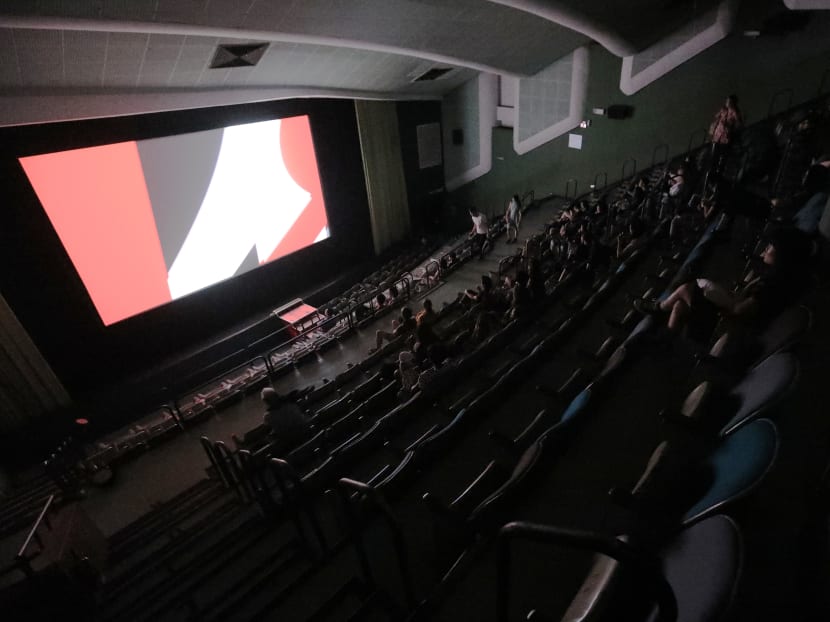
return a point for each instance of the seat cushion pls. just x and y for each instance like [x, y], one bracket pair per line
[737, 466]
[762, 387]
[703, 565]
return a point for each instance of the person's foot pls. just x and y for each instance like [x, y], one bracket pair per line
[647, 306]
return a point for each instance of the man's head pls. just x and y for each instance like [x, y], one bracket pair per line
[270, 397]
[786, 248]
[428, 304]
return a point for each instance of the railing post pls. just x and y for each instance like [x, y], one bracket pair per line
[701, 131]
[176, 417]
[633, 162]
[367, 491]
[665, 148]
[568, 187]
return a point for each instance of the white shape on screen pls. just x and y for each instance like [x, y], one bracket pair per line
[251, 200]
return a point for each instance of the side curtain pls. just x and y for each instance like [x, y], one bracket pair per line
[28, 386]
[380, 143]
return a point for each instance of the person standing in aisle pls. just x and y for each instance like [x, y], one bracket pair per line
[513, 218]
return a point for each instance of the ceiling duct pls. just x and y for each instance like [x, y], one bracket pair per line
[237, 55]
[433, 73]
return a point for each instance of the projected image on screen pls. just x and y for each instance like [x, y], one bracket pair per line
[149, 221]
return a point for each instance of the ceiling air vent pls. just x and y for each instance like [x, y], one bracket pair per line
[432, 74]
[238, 55]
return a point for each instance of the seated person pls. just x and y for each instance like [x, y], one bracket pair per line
[808, 217]
[488, 298]
[676, 183]
[480, 232]
[635, 195]
[437, 354]
[402, 326]
[427, 316]
[408, 373]
[783, 276]
[520, 297]
[636, 239]
[286, 420]
[425, 322]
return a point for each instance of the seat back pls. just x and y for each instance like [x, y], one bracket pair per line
[703, 566]
[762, 387]
[736, 467]
[784, 331]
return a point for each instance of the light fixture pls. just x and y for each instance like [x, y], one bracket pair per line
[585, 123]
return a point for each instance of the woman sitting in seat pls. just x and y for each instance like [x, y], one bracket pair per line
[783, 275]
[403, 326]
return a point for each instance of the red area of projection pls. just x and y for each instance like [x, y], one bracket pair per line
[97, 201]
[298, 154]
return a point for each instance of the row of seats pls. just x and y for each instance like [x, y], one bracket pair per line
[410, 447]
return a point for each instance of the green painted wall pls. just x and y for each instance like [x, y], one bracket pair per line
[666, 111]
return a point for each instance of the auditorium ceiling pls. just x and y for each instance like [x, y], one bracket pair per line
[351, 48]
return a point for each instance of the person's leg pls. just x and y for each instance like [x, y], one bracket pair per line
[717, 294]
[382, 335]
[678, 316]
[683, 293]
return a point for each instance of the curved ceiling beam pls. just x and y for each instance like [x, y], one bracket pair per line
[66, 105]
[807, 5]
[565, 16]
[161, 28]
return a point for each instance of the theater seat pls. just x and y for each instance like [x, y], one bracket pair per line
[703, 566]
[695, 573]
[736, 467]
[762, 387]
[781, 334]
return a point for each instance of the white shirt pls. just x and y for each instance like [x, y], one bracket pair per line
[513, 211]
[480, 222]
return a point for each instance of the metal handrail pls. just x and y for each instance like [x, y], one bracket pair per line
[21, 557]
[175, 404]
[568, 186]
[665, 148]
[703, 132]
[292, 488]
[437, 267]
[623, 176]
[174, 413]
[615, 548]
[785, 91]
[345, 487]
